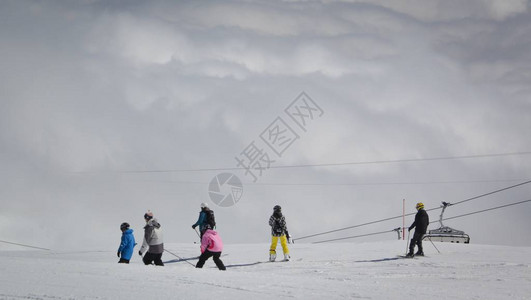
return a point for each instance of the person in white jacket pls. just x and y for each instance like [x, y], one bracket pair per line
[153, 242]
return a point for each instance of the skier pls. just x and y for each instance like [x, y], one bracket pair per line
[421, 225]
[211, 245]
[278, 230]
[206, 216]
[153, 242]
[125, 251]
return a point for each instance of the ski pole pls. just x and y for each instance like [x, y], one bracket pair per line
[407, 243]
[198, 236]
[179, 257]
[429, 238]
[197, 233]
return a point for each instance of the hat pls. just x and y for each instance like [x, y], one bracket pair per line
[277, 207]
[420, 205]
[148, 215]
[204, 205]
[124, 226]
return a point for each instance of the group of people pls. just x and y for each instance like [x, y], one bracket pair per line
[153, 242]
[211, 244]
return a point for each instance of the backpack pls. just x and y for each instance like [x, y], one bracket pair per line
[210, 219]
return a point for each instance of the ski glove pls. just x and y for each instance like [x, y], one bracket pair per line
[194, 226]
[140, 253]
[288, 237]
[409, 229]
[118, 253]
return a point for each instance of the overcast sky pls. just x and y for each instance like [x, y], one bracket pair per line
[111, 108]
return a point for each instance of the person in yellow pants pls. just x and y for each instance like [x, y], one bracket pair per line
[279, 230]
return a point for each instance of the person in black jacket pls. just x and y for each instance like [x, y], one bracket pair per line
[421, 225]
[279, 231]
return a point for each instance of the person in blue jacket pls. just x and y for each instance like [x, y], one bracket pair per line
[202, 220]
[125, 251]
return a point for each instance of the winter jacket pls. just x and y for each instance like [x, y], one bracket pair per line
[152, 238]
[202, 220]
[127, 244]
[421, 222]
[211, 241]
[278, 224]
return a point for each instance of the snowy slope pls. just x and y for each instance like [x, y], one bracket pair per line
[317, 271]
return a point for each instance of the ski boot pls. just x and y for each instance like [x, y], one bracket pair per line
[286, 257]
[419, 253]
[272, 256]
[410, 255]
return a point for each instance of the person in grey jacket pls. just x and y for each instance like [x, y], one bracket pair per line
[153, 241]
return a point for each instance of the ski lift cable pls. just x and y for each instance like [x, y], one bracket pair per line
[23, 245]
[251, 184]
[410, 214]
[460, 216]
[350, 227]
[490, 193]
[484, 210]
[323, 164]
[351, 237]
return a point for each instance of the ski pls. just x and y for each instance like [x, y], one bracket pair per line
[405, 256]
[283, 260]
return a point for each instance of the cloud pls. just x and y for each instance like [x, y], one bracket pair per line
[443, 11]
[92, 89]
[234, 52]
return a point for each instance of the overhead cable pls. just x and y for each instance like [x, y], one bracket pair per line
[355, 236]
[22, 245]
[484, 210]
[460, 216]
[247, 184]
[410, 214]
[327, 164]
[493, 192]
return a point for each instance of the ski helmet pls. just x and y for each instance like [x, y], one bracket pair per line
[277, 208]
[420, 205]
[204, 205]
[148, 215]
[124, 226]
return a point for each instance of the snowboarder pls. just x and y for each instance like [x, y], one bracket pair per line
[211, 245]
[125, 251]
[153, 242]
[278, 230]
[206, 216]
[421, 225]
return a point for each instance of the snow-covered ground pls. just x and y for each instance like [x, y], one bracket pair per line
[317, 271]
